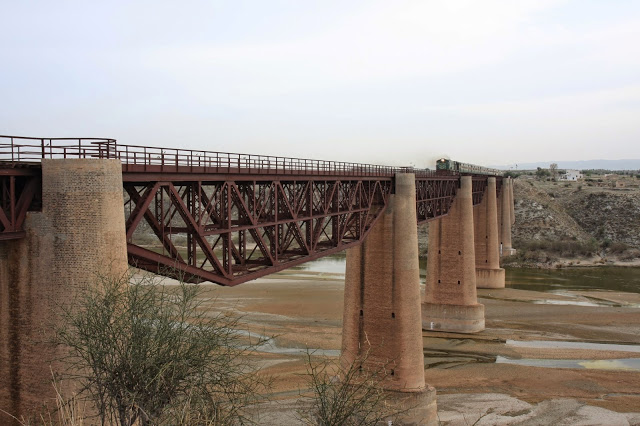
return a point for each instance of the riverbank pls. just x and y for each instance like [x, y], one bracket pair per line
[484, 377]
[541, 261]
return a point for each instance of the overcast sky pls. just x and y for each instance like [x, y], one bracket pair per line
[389, 82]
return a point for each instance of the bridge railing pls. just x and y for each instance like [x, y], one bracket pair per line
[168, 159]
[19, 150]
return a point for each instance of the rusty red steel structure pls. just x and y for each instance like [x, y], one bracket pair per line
[225, 217]
[20, 191]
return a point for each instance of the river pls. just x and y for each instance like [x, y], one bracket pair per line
[612, 278]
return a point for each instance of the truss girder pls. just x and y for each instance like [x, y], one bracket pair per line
[232, 231]
[478, 186]
[434, 197]
[19, 191]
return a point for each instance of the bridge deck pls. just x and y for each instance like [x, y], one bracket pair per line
[226, 217]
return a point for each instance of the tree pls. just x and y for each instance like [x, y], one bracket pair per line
[553, 169]
[542, 173]
[147, 354]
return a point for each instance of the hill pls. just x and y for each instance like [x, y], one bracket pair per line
[577, 165]
[590, 219]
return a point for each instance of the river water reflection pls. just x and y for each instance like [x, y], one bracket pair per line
[626, 279]
[585, 278]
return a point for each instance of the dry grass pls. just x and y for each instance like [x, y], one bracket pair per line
[69, 412]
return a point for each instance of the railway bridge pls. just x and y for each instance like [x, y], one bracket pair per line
[74, 208]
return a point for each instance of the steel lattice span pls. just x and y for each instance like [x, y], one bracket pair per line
[224, 217]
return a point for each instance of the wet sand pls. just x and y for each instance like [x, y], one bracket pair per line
[304, 310]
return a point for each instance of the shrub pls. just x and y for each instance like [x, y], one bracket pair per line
[630, 255]
[345, 395]
[618, 247]
[559, 248]
[145, 354]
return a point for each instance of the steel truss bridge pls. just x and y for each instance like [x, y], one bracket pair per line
[224, 217]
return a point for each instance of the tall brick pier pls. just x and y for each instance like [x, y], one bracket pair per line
[450, 300]
[487, 247]
[507, 217]
[79, 233]
[382, 305]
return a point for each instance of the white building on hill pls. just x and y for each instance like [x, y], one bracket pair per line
[572, 175]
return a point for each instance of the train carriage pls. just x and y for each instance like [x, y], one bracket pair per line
[458, 167]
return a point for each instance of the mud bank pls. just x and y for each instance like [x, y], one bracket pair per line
[473, 380]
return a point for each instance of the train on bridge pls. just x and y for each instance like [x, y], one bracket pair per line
[456, 166]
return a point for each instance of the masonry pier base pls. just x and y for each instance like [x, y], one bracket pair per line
[453, 318]
[490, 278]
[415, 408]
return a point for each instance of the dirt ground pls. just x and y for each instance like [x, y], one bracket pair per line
[304, 310]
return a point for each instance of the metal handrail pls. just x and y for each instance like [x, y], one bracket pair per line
[20, 149]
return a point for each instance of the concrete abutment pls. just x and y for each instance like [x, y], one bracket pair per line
[79, 233]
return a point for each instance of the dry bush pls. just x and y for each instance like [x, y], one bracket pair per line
[561, 248]
[346, 395]
[631, 254]
[618, 248]
[146, 355]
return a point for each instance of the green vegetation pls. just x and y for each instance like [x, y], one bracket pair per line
[589, 172]
[563, 248]
[543, 251]
[144, 354]
[542, 173]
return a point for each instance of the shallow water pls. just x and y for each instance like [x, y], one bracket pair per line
[336, 264]
[559, 344]
[625, 364]
[269, 345]
[612, 278]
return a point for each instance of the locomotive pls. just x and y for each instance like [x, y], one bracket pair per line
[456, 166]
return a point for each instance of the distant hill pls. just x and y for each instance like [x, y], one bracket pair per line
[578, 165]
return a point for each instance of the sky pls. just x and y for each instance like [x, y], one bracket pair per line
[398, 82]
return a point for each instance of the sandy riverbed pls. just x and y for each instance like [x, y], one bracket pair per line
[304, 310]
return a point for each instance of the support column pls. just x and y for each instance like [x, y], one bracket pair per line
[450, 302]
[506, 207]
[499, 210]
[79, 233]
[512, 204]
[382, 306]
[487, 248]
